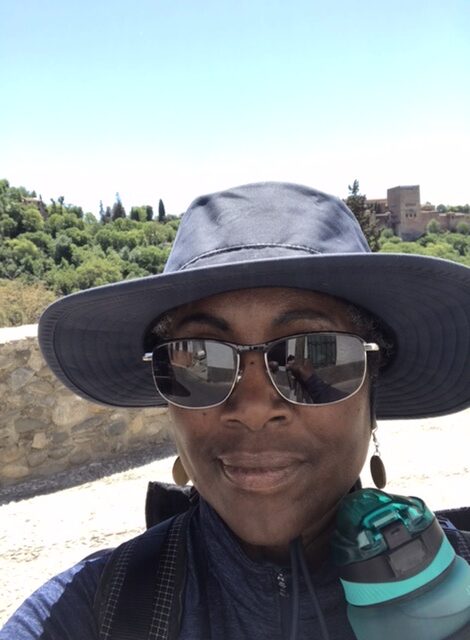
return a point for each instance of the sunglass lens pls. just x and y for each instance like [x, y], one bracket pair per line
[194, 373]
[317, 368]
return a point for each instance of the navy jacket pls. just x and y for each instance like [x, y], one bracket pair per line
[228, 596]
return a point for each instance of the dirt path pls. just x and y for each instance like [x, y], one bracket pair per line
[41, 535]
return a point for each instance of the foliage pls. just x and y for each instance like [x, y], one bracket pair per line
[118, 210]
[387, 235]
[151, 259]
[450, 246]
[433, 226]
[142, 214]
[442, 208]
[22, 303]
[357, 202]
[464, 228]
[161, 211]
[57, 249]
[65, 249]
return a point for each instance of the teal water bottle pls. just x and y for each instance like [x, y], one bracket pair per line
[400, 574]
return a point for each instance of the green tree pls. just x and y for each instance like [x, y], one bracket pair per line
[107, 217]
[57, 222]
[161, 211]
[90, 220]
[78, 236]
[96, 272]
[25, 216]
[142, 214]
[82, 255]
[32, 219]
[357, 202]
[21, 257]
[139, 214]
[118, 210]
[8, 227]
[62, 279]
[459, 242]
[463, 228]
[77, 211]
[157, 234]
[4, 189]
[125, 224]
[386, 235]
[151, 259]
[63, 249]
[433, 226]
[42, 240]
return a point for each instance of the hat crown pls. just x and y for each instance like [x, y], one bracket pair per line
[261, 221]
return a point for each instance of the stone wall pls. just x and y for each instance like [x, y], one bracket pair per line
[46, 429]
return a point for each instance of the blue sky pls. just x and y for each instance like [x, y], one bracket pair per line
[171, 99]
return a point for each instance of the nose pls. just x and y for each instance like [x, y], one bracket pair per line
[255, 403]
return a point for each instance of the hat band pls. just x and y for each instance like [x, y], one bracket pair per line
[238, 253]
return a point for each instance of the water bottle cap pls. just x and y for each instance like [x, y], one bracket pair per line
[387, 546]
[363, 518]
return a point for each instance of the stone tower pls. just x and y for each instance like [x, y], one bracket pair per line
[405, 208]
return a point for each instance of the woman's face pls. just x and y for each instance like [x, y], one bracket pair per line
[271, 469]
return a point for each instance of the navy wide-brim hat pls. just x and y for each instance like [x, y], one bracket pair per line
[273, 235]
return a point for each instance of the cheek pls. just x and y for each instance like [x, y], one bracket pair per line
[191, 432]
[185, 425]
[355, 436]
[345, 435]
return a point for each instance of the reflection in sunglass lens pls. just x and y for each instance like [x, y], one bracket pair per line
[317, 368]
[194, 373]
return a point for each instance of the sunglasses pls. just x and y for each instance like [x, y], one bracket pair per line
[307, 369]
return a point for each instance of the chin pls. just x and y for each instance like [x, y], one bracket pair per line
[264, 529]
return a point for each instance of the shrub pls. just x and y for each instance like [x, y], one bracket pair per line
[433, 226]
[463, 228]
[22, 303]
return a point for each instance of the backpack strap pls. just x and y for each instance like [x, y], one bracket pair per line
[164, 500]
[461, 543]
[449, 520]
[459, 518]
[140, 594]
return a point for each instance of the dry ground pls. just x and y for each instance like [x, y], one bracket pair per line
[43, 534]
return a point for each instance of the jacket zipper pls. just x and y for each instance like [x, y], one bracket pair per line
[285, 605]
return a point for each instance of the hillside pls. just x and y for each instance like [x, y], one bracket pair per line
[50, 250]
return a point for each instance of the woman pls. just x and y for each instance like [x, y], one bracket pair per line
[276, 338]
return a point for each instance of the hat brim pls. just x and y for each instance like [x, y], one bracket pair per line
[94, 340]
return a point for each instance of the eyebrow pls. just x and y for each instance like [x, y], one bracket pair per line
[204, 318]
[282, 319]
[300, 314]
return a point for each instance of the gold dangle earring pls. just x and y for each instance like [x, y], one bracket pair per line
[179, 473]
[377, 467]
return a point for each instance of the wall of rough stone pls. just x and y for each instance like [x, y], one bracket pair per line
[46, 429]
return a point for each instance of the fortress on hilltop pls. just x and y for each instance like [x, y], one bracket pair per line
[402, 212]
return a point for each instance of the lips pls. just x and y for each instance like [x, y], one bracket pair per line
[261, 471]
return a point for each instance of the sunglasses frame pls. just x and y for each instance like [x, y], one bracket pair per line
[263, 347]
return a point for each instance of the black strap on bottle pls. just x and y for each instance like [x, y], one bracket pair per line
[140, 596]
